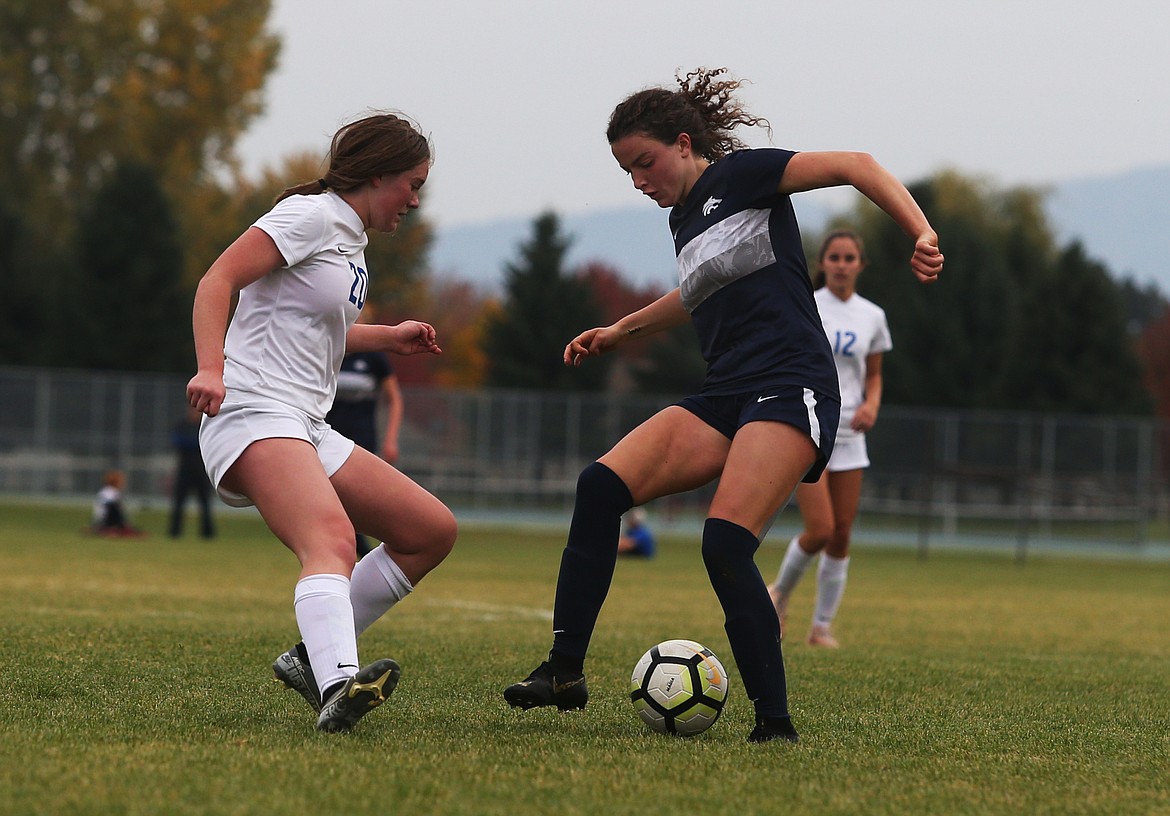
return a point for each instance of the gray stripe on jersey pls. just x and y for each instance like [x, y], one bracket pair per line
[722, 254]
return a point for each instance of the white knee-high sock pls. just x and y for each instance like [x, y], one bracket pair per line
[831, 576]
[792, 568]
[377, 584]
[325, 618]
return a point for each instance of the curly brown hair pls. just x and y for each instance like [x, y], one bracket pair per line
[381, 144]
[704, 107]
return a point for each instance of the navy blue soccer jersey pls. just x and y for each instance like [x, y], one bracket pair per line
[743, 278]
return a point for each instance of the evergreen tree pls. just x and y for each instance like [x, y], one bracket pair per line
[544, 308]
[1014, 322]
[673, 365]
[19, 312]
[129, 308]
[1074, 353]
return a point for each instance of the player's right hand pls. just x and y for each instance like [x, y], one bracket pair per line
[927, 260]
[590, 344]
[205, 392]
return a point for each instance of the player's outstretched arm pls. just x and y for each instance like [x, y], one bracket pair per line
[664, 313]
[813, 171]
[407, 337]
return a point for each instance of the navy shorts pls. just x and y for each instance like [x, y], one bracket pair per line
[813, 413]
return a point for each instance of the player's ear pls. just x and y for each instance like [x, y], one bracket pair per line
[683, 143]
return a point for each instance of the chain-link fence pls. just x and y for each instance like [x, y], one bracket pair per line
[936, 476]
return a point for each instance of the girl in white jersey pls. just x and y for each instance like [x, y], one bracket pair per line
[858, 332]
[266, 384]
[765, 417]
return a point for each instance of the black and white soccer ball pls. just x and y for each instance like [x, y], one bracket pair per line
[679, 687]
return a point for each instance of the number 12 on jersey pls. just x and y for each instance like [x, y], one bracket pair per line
[843, 345]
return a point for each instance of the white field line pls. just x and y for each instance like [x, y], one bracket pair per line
[495, 610]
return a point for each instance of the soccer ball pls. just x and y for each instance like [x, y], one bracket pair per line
[679, 687]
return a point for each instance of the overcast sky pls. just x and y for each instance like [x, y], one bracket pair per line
[516, 93]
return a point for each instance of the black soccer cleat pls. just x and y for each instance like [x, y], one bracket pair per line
[358, 696]
[292, 669]
[773, 728]
[543, 688]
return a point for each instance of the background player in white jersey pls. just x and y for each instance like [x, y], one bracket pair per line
[768, 409]
[858, 332]
[267, 385]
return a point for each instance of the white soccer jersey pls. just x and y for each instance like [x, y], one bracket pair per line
[287, 337]
[856, 328]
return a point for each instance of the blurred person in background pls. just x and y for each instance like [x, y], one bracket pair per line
[367, 391]
[109, 517]
[859, 335]
[190, 476]
[637, 538]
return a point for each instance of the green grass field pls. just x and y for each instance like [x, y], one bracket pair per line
[135, 680]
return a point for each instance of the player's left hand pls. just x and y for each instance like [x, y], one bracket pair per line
[863, 419]
[413, 337]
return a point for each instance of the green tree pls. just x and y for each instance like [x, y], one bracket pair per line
[673, 363]
[86, 84]
[1014, 322]
[1074, 353]
[19, 311]
[543, 309]
[950, 338]
[87, 87]
[34, 326]
[1144, 304]
[131, 311]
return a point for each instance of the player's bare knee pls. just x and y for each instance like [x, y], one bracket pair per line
[443, 536]
[838, 546]
[337, 536]
[817, 537]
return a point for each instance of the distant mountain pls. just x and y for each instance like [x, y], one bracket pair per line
[1123, 221]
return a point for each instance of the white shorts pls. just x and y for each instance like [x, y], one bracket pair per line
[246, 418]
[849, 453]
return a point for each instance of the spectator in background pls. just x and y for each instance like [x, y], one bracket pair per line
[636, 539]
[109, 515]
[190, 475]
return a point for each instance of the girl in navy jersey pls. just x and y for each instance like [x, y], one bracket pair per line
[767, 412]
[859, 335]
[267, 383]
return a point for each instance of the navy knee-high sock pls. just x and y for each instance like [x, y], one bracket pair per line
[588, 562]
[752, 628]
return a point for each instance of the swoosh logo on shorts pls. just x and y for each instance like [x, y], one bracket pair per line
[762, 399]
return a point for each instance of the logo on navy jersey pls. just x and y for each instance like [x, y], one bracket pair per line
[711, 204]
